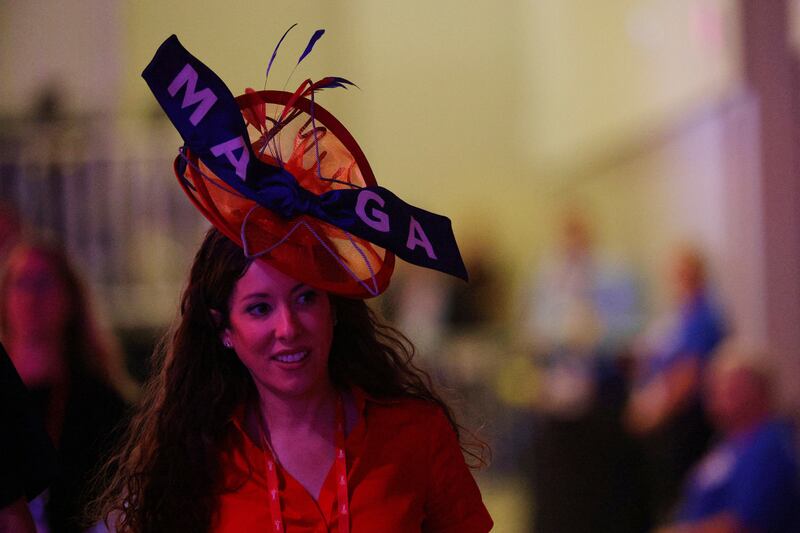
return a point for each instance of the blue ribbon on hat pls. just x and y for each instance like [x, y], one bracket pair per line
[206, 115]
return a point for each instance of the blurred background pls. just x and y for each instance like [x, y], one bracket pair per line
[585, 151]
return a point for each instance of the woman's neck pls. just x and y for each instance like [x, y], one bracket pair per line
[300, 434]
[289, 414]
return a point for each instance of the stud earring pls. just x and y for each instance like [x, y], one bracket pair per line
[227, 343]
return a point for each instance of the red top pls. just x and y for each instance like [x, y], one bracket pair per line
[405, 473]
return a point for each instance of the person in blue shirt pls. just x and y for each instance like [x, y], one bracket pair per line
[666, 405]
[749, 480]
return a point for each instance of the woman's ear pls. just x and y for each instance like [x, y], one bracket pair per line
[224, 334]
[216, 316]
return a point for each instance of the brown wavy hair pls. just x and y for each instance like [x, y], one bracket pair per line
[167, 469]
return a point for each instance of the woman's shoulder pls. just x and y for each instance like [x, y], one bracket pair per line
[406, 403]
[403, 411]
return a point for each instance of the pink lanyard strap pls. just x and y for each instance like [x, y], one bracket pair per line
[341, 477]
[341, 470]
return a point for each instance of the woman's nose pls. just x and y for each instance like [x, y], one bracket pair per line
[286, 325]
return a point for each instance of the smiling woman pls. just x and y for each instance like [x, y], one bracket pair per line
[266, 375]
[281, 330]
[280, 401]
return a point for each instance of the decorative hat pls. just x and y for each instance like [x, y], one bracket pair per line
[285, 180]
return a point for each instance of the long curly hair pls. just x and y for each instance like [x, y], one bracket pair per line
[167, 469]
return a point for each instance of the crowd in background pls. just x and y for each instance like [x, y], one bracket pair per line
[614, 415]
[615, 420]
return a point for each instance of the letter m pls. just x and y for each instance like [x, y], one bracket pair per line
[206, 98]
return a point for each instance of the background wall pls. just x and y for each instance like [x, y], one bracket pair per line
[519, 98]
[647, 113]
[497, 114]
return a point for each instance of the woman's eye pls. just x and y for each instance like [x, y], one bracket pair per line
[259, 309]
[307, 297]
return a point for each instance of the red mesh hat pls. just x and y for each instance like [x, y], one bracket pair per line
[280, 176]
[304, 247]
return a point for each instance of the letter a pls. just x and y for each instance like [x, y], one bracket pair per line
[206, 97]
[227, 148]
[417, 237]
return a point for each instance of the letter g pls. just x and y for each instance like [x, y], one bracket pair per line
[377, 219]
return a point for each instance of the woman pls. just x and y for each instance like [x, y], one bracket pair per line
[280, 402]
[75, 374]
[257, 349]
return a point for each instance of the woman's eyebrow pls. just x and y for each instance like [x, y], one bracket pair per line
[254, 295]
[300, 287]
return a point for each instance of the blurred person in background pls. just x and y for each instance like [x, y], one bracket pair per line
[10, 231]
[416, 303]
[476, 307]
[27, 457]
[749, 481]
[75, 373]
[665, 408]
[583, 312]
[436, 313]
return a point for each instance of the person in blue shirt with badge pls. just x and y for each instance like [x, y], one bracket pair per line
[749, 480]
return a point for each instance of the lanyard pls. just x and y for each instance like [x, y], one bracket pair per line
[341, 477]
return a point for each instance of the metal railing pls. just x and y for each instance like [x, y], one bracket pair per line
[105, 190]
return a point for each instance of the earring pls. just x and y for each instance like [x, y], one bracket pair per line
[227, 343]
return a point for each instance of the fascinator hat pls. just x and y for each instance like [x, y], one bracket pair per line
[284, 179]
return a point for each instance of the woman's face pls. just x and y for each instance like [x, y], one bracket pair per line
[281, 329]
[686, 273]
[37, 304]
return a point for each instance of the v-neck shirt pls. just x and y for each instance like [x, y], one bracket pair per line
[405, 473]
